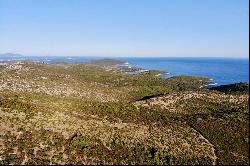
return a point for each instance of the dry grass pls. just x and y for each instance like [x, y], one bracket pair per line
[87, 114]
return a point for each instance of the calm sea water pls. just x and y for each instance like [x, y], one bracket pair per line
[220, 70]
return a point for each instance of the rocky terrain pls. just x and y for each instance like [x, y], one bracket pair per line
[94, 113]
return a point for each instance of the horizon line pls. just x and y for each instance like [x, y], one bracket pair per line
[133, 56]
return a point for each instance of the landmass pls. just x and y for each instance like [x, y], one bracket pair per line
[97, 113]
[233, 88]
[11, 55]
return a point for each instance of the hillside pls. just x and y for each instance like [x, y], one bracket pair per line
[233, 88]
[94, 113]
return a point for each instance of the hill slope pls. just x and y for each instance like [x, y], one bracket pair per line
[93, 113]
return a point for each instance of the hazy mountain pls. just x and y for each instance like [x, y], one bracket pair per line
[11, 55]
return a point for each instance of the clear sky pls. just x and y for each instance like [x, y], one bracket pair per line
[125, 27]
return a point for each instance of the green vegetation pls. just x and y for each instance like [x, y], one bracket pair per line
[78, 141]
[92, 113]
[233, 88]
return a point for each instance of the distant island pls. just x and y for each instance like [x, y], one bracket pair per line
[11, 55]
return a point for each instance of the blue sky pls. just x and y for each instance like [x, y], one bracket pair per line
[200, 28]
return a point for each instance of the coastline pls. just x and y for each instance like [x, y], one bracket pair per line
[161, 75]
[145, 64]
[86, 103]
[207, 85]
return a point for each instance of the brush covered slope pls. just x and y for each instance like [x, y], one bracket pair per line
[93, 113]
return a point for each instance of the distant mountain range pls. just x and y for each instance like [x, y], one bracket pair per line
[11, 55]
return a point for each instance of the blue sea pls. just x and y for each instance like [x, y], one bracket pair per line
[218, 70]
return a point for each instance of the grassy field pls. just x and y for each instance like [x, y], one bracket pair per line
[93, 113]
